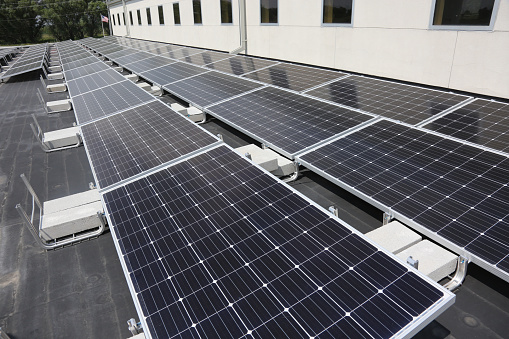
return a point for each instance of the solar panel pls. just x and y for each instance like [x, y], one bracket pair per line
[214, 247]
[205, 58]
[140, 139]
[121, 53]
[171, 73]
[75, 57]
[78, 63]
[164, 49]
[30, 60]
[134, 57]
[94, 81]
[108, 100]
[455, 193]
[85, 70]
[294, 77]
[210, 87]
[239, 65]
[147, 64]
[401, 102]
[286, 121]
[182, 52]
[483, 122]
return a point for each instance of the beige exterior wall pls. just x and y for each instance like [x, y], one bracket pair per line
[388, 38]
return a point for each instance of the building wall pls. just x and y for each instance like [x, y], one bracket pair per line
[388, 38]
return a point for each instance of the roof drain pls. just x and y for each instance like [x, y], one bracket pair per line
[242, 29]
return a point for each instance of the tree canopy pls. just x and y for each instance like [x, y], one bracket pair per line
[21, 21]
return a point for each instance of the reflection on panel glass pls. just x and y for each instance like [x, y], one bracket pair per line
[463, 12]
[239, 65]
[337, 11]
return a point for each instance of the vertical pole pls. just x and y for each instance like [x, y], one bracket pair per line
[102, 25]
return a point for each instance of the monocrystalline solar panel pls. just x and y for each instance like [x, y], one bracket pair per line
[211, 87]
[148, 64]
[205, 58]
[121, 53]
[284, 120]
[215, 247]
[108, 100]
[30, 60]
[401, 102]
[78, 63]
[239, 65]
[182, 52]
[171, 73]
[75, 57]
[85, 70]
[94, 81]
[164, 49]
[140, 139]
[483, 122]
[135, 57]
[458, 193]
[294, 77]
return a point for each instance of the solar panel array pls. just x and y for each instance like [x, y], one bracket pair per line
[286, 121]
[205, 58]
[456, 193]
[170, 73]
[126, 144]
[239, 65]
[32, 59]
[215, 247]
[401, 102]
[94, 81]
[482, 122]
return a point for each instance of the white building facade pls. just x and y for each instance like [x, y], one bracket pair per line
[456, 44]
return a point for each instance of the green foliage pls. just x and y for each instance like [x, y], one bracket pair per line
[21, 21]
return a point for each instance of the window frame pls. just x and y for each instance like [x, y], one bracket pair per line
[339, 24]
[149, 16]
[138, 13]
[271, 23]
[201, 13]
[118, 19]
[463, 27]
[131, 18]
[174, 17]
[221, 16]
[113, 16]
[160, 14]
[123, 18]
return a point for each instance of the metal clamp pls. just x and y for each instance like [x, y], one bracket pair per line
[295, 174]
[412, 262]
[387, 218]
[334, 210]
[134, 327]
[459, 276]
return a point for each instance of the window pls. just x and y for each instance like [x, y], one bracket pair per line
[161, 15]
[113, 16]
[268, 11]
[176, 13]
[131, 17]
[337, 12]
[197, 11]
[463, 12]
[149, 18]
[139, 17]
[118, 18]
[123, 17]
[226, 12]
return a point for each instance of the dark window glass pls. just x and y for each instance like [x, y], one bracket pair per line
[197, 11]
[268, 11]
[123, 17]
[337, 11]
[463, 12]
[149, 18]
[161, 15]
[118, 18]
[176, 13]
[139, 17]
[226, 12]
[113, 16]
[131, 17]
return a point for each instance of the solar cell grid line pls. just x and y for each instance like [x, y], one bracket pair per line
[206, 57]
[294, 77]
[454, 193]
[482, 122]
[121, 53]
[285, 121]
[132, 58]
[215, 246]
[78, 63]
[182, 52]
[170, 73]
[164, 49]
[94, 81]
[108, 100]
[210, 87]
[147, 64]
[406, 103]
[140, 139]
[85, 70]
[238, 65]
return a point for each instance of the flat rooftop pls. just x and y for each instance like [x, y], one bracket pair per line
[80, 291]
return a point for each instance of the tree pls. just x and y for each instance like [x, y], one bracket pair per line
[92, 20]
[21, 21]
